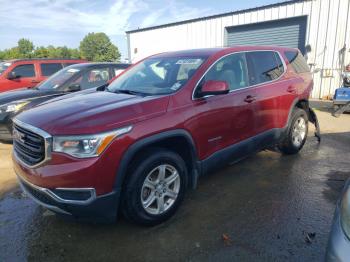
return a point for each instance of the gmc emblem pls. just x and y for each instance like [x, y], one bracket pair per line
[18, 136]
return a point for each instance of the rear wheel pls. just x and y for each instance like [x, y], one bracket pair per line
[155, 187]
[296, 134]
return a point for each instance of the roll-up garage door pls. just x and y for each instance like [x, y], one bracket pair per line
[285, 32]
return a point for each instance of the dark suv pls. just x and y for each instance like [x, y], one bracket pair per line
[87, 76]
[141, 143]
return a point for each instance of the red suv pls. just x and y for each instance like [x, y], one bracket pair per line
[141, 143]
[21, 73]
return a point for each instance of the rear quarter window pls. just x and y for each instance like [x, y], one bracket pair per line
[297, 61]
[48, 69]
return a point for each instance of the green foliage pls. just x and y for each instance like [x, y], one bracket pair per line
[98, 47]
[94, 47]
[25, 48]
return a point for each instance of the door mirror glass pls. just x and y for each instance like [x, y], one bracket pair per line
[214, 87]
[12, 75]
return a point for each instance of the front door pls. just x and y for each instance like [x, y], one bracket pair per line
[26, 77]
[225, 120]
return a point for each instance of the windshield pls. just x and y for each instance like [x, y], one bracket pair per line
[157, 76]
[4, 66]
[58, 79]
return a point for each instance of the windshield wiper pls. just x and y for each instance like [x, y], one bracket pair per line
[129, 92]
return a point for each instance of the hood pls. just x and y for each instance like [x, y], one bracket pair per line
[21, 94]
[69, 95]
[93, 113]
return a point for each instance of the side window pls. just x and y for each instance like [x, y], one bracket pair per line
[279, 64]
[94, 78]
[264, 66]
[297, 61]
[232, 69]
[50, 69]
[24, 70]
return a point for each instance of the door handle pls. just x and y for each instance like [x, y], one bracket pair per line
[35, 81]
[291, 89]
[249, 99]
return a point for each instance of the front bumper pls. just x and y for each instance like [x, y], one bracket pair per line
[81, 203]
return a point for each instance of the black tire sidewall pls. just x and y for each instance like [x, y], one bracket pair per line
[132, 205]
[288, 146]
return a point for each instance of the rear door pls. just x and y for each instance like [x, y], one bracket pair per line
[265, 71]
[48, 69]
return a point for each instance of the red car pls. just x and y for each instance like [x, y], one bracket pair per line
[141, 143]
[21, 73]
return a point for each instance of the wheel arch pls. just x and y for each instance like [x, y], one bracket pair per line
[298, 103]
[178, 140]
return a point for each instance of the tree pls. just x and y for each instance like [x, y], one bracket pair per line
[11, 53]
[41, 52]
[25, 48]
[98, 47]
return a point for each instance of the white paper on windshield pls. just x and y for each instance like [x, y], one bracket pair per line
[176, 86]
[188, 61]
[7, 64]
[73, 70]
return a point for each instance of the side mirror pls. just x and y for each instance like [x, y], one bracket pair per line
[213, 87]
[74, 88]
[12, 75]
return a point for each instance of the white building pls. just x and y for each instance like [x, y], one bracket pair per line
[319, 28]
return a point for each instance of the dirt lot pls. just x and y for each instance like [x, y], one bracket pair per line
[258, 209]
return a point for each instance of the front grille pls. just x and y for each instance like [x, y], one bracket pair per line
[28, 146]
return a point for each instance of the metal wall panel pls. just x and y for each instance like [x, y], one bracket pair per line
[284, 32]
[327, 34]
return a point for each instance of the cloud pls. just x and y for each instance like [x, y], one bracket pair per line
[113, 17]
[172, 11]
[70, 15]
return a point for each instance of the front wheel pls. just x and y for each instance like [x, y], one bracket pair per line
[155, 187]
[296, 134]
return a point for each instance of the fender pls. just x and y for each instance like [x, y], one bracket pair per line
[311, 116]
[134, 148]
[295, 102]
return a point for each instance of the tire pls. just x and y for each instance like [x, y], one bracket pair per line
[144, 183]
[296, 134]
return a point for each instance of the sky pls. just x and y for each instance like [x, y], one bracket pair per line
[66, 22]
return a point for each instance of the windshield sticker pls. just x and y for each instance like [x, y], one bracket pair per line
[73, 70]
[7, 64]
[189, 61]
[176, 86]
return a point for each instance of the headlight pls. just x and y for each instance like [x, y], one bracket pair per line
[86, 145]
[13, 107]
[345, 213]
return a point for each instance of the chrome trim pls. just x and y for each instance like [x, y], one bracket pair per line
[250, 86]
[53, 208]
[59, 199]
[47, 139]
